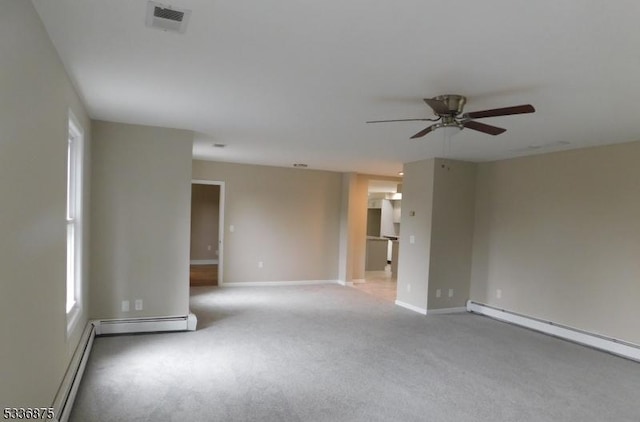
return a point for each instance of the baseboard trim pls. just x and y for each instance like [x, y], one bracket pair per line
[145, 325]
[586, 338]
[203, 262]
[410, 307]
[278, 283]
[444, 311]
[66, 395]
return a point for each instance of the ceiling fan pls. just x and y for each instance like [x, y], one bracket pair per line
[448, 108]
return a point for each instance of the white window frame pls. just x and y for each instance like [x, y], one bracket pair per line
[74, 214]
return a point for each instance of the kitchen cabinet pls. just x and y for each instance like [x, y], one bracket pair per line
[376, 254]
[374, 216]
[396, 211]
[395, 245]
[375, 203]
[383, 217]
[386, 219]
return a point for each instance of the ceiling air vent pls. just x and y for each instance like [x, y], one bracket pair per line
[167, 18]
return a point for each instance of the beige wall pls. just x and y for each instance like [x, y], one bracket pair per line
[559, 234]
[344, 256]
[358, 227]
[141, 195]
[288, 219]
[451, 233]
[413, 262]
[441, 195]
[205, 204]
[35, 96]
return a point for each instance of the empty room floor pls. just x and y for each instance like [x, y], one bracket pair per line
[330, 353]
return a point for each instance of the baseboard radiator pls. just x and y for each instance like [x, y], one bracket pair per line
[597, 341]
[63, 402]
[145, 325]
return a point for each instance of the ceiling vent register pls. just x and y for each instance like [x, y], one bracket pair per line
[167, 18]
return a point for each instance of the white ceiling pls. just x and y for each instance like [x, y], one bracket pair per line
[284, 81]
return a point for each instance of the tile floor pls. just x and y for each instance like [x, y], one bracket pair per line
[379, 284]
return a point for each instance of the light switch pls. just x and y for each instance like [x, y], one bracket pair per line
[412, 239]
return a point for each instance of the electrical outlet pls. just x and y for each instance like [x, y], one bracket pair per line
[408, 287]
[208, 247]
[412, 239]
[138, 304]
[438, 292]
[232, 228]
[499, 293]
[450, 292]
[125, 306]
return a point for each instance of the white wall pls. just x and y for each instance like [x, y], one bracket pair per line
[35, 96]
[559, 234]
[141, 188]
[288, 219]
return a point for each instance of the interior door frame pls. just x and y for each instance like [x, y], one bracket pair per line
[220, 224]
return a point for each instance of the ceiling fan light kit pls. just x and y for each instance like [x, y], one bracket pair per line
[449, 109]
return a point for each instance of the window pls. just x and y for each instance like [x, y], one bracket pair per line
[75, 146]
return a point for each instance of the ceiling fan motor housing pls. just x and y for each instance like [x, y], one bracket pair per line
[455, 103]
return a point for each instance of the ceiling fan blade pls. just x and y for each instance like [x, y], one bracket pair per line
[438, 106]
[401, 120]
[481, 127]
[423, 132]
[506, 111]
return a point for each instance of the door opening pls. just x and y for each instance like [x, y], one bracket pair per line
[206, 254]
[383, 230]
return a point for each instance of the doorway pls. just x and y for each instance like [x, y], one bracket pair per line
[383, 231]
[206, 243]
